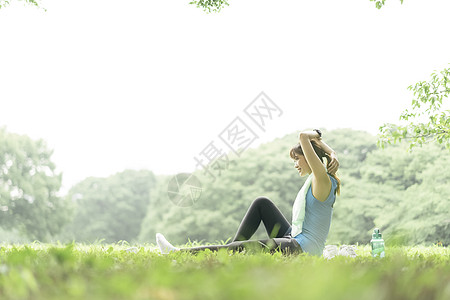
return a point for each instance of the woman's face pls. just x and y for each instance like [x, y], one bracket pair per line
[301, 165]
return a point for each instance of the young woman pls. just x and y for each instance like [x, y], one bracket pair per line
[312, 209]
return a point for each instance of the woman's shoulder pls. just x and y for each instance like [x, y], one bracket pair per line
[334, 185]
[332, 193]
[334, 182]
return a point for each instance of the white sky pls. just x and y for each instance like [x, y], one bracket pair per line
[137, 84]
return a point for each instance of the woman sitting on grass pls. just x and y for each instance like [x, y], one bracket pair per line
[311, 220]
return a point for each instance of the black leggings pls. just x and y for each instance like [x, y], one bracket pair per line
[277, 227]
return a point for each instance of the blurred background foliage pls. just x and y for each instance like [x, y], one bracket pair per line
[405, 193]
[29, 185]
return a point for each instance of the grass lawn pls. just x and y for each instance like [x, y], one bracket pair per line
[76, 271]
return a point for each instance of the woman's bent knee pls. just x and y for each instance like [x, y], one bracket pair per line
[262, 201]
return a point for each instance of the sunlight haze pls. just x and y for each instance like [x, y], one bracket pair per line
[112, 85]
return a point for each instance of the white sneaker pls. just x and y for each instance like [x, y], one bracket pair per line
[164, 246]
[330, 251]
[347, 250]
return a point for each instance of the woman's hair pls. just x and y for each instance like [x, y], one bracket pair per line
[297, 149]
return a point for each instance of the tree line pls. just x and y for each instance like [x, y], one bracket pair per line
[403, 192]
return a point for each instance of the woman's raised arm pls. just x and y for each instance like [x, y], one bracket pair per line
[321, 183]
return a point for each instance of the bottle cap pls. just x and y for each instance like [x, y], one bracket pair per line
[376, 234]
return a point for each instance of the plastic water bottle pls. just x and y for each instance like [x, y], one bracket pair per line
[377, 244]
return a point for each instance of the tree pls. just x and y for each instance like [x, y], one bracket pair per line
[110, 208]
[421, 214]
[4, 3]
[29, 188]
[398, 192]
[426, 121]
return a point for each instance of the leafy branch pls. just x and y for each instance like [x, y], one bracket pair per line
[380, 3]
[426, 121]
[210, 5]
[217, 5]
[4, 3]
